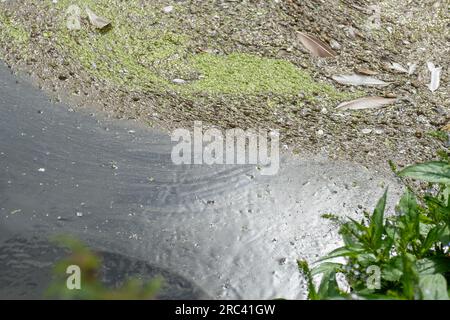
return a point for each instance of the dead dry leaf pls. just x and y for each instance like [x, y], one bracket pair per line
[366, 103]
[435, 76]
[446, 127]
[97, 21]
[317, 47]
[358, 80]
[398, 67]
[411, 68]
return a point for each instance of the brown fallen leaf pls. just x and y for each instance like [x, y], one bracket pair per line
[366, 72]
[317, 47]
[366, 103]
[97, 21]
[446, 127]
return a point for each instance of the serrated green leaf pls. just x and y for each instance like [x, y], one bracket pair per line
[326, 267]
[434, 171]
[433, 236]
[303, 267]
[342, 252]
[366, 259]
[392, 274]
[328, 288]
[376, 226]
[408, 207]
[410, 276]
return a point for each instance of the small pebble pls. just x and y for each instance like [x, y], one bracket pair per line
[168, 9]
[178, 81]
[335, 45]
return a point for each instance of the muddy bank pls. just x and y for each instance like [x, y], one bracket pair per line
[242, 65]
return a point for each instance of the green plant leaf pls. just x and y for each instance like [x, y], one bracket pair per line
[434, 171]
[303, 267]
[433, 236]
[437, 210]
[433, 265]
[326, 267]
[433, 287]
[407, 221]
[328, 288]
[410, 248]
[343, 252]
[410, 276]
[392, 271]
[408, 207]
[376, 226]
[366, 259]
[352, 233]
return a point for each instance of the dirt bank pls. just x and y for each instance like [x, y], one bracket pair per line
[242, 65]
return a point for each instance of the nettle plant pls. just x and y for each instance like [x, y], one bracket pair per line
[402, 256]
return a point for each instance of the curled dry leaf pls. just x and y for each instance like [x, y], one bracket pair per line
[435, 76]
[358, 80]
[317, 47]
[446, 127]
[366, 103]
[97, 21]
[398, 67]
[411, 68]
